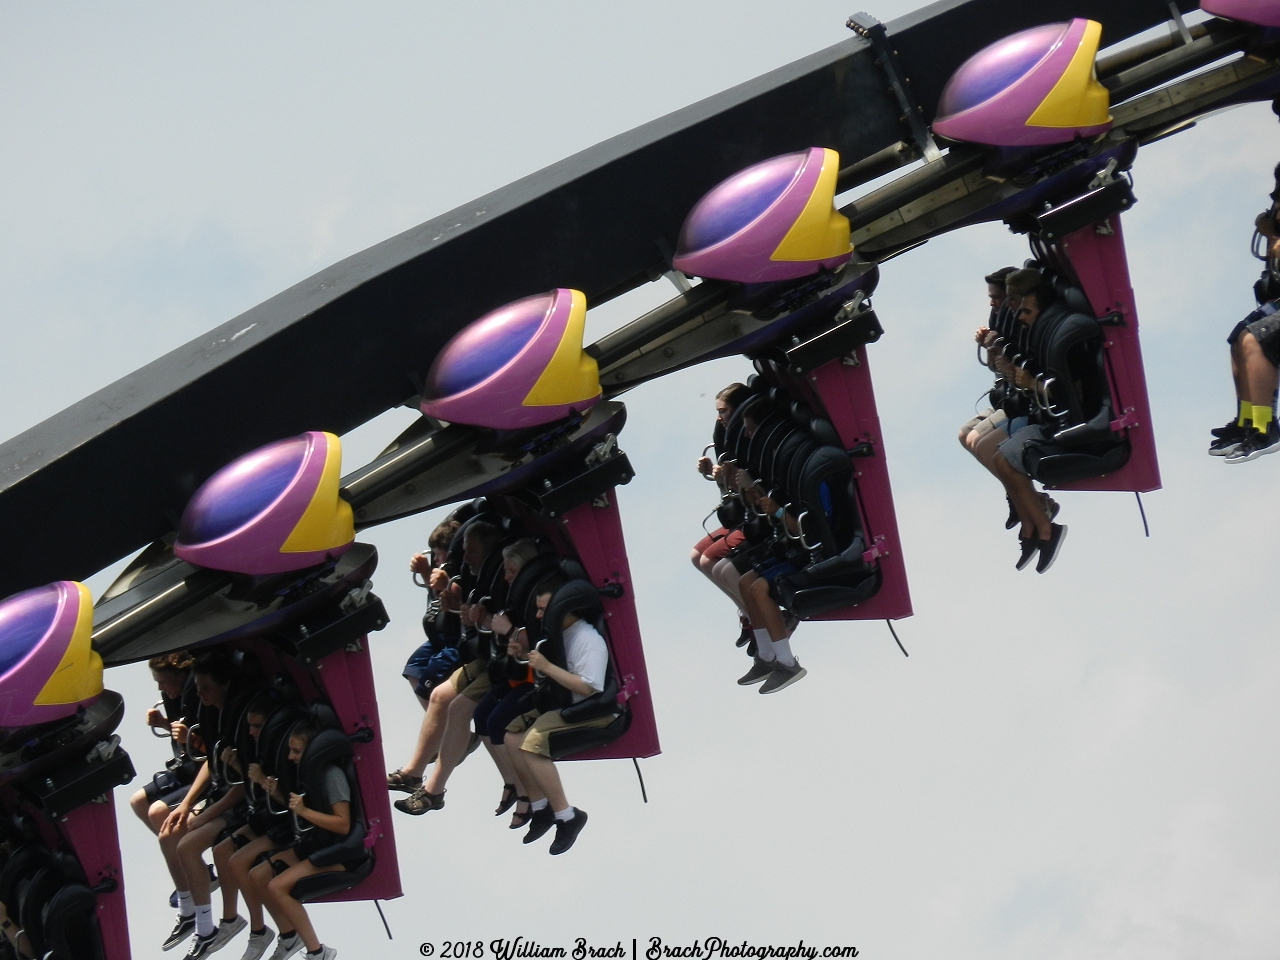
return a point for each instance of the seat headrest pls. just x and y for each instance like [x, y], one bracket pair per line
[801, 413]
[572, 569]
[323, 717]
[823, 431]
[577, 597]
[326, 747]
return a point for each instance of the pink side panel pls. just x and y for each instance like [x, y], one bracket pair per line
[347, 677]
[597, 536]
[1100, 263]
[847, 395]
[90, 829]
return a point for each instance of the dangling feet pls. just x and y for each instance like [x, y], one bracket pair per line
[421, 802]
[1049, 548]
[567, 829]
[509, 798]
[404, 782]
[521, 814]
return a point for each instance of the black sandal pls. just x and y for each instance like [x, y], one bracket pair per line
[508, 800]
[521, 817]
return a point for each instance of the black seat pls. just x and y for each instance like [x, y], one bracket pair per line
[580, 598]
[1069, 343]
[836, 576]
[70, 926]
[334, 747]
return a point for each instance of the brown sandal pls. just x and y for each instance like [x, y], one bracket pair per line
[509, 798]
[520, 817]
[421, 802]
[404, 782]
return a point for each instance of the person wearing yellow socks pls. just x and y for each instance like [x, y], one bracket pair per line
[1260, 350]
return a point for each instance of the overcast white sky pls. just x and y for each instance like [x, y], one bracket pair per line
[1069, 766]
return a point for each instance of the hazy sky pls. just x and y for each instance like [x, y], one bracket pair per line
[1068, 766]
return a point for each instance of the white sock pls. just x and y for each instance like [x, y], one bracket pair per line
[783, 650]
[764, 646]
[204, 919]
[185, 907]
[538, 804]
[565, 815]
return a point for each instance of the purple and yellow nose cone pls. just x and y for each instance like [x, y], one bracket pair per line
[773, 221]
[48, 667]
[1264, 13]
[520, 366]
[273, 510]
[1032, 88]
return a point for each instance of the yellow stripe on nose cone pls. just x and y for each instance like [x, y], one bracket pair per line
[1077, 99]
[572, 374]
[821, 231]
[79, 673]
[327, 522]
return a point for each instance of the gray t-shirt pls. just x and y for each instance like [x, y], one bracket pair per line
[336, 787]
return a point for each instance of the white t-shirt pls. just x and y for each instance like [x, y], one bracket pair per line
[586, 655]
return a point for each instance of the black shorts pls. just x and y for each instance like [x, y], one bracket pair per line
[1266, 330]
[170, 785]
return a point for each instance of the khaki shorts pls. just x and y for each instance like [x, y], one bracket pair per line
[472, 679]
[538, 727]
[985, 422]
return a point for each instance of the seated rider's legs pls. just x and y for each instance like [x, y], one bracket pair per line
[290, 913]
[200, 836]
[432, 729]
[237, 875]
[456, 736]
[1022, 494]
[1260, 375]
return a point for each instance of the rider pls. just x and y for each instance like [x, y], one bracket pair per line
[1255, 355]
[714, 547]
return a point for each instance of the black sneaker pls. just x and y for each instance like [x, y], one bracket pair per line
[783, 676]
[760, 671]
[541, 821]
[1232, 428]
[1228, 439]
[1256, 445]
[1049, 548]
[1029, 548]
[1013, 519]
[567, 831]
[181, 930]
[747, 634]
[201, 946]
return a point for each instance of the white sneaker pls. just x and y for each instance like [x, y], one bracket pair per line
[286, 947]
[327, 953]
[258, 943]
[227, 929]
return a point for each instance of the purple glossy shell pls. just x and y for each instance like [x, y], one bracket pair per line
[997, 68]
[733, 230]
[737, 202]
[35, 628]
[486, 346]
[241, 516]
[483, 374]
[236, 494]
[1265, 13]
[992, 95]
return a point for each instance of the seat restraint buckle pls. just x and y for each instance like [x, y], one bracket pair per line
[876, 550]
[628, 689]
[1130, 419]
